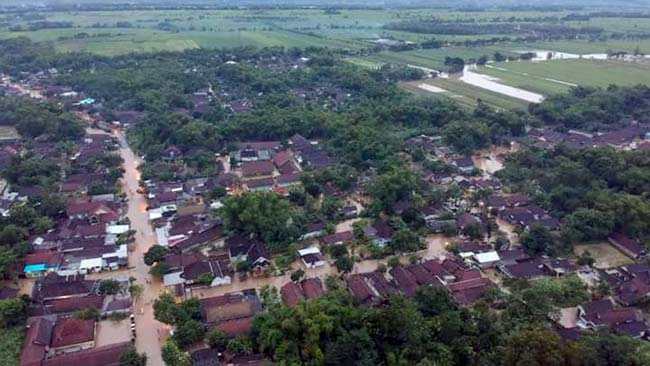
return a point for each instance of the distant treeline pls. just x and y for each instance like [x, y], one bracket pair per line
[41, 25]
[433, 26]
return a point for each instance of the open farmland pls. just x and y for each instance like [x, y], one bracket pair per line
[465, 94]
[551, 77]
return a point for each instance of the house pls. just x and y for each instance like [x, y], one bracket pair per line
[289, 179]
[201, 238]
[93, 212]
[627, 246]
[465, 164]
[71, 335]
[602, 314]
[260, 184]
[195, 272]
[405, 281]
[284, 162]
[486, 259]
[311, 257]
[206, 357]
[380, 232]
[291, 294]
[262, 168]
[171, 154]
[422, 275]
[313, 230]
[362, 289]
[52, 287]
[249, 250]
[233, 312]
[530, 270]
[469, 291]
[109, 355]
[248, 360]
[338, 238]
[41, 262]
[312, 288]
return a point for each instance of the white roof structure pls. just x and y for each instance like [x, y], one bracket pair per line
[173, 279]
[117, 229]
[487, 257]
[310, 250]
[91, 263]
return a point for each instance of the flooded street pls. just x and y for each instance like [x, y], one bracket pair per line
[492, 84]
[149, 331]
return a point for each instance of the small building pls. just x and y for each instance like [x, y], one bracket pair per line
[311, 257]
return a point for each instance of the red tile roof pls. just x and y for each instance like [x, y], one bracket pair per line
[71, 331]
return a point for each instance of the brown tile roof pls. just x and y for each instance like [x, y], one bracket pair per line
[291, 293]
[237, 327]
[406, 282]
[422, 275]
[73, 304]
[257, 168]
[53, 287]
[338, 237]
[312, 287]
[98, 356]
[47, 257]
[71, 331]
[230, 306]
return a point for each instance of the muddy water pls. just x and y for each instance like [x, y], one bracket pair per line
[492, 84]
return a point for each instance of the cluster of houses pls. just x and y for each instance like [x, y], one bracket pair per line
[632, 137]
[91, 235]
[58, 335]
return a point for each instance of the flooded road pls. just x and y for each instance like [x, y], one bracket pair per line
[149, 331]
[490, 83]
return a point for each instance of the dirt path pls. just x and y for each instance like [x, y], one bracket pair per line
[149, 331]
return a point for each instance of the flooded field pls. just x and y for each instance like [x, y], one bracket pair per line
[492, 84]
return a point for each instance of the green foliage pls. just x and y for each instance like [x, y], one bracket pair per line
[395, 185]
[109, 287]
[131, 357]
[33, 119]
[173, 356]
[265, 215]
[405, 241]
[89, 313]
[189, 332]
[13, 311]
[537, 240]
[165, 309]
[217, 339]
[11, 342]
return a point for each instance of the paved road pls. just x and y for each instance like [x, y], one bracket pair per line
[148, 329]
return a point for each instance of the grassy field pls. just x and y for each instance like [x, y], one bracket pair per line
[466, 95]
[536, 76]
[605, 254]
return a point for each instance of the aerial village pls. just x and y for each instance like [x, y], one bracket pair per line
[122, 241]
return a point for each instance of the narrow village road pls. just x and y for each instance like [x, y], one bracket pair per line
[149, 331]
